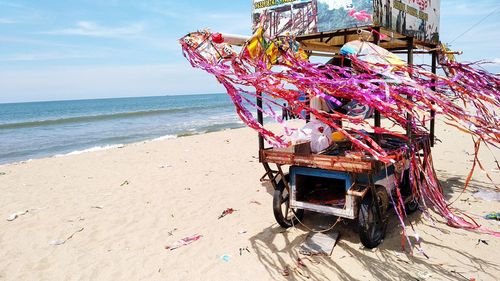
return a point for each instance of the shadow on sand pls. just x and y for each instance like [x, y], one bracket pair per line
[382, 263]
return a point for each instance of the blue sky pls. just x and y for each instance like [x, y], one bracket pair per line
[53, 50]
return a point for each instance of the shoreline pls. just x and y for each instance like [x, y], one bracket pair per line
[121, 145]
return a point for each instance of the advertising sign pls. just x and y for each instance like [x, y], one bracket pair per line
[294, 17]
[341, 14]
[417, 18]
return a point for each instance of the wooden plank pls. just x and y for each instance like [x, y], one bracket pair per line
[358, 190]
[327, 162]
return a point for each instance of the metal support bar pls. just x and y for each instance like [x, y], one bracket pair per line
[280, 172]
[323, 54]
[308, 113]
[271, 174]
[414, 52]
[409, 117]
[322, 34]
[373, 190]
[433, 112]
[376, 41]
[260, 119]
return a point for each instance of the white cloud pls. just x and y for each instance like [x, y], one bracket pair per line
[6, 21]
[194, 17]
[46, 56]
[461, 8]
[167, 12]
[11, 4]
[26, 41]
[55, 83]
[92, 29]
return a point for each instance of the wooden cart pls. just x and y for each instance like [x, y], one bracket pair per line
[342, 185]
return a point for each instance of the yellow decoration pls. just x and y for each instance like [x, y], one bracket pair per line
[272, 53]
[338, 137]
[254, 47]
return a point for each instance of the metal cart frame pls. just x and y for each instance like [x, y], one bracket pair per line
[360, 193]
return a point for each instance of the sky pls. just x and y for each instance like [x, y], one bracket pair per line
[84, 49]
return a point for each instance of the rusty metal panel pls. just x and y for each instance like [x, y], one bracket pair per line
[327, 162]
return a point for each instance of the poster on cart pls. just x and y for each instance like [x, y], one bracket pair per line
[286, 17]
[342, 14]
[417, 18]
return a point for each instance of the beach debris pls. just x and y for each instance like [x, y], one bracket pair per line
[187, 188]
[243, 231]
[171, 232]
[462, 275]
[244, 249]
[2, 174]
[479, 241]
[487, 195]
[318, 243]
[225, 257]
[125, 183]
[493, 216]
[166, 166]
[286, 271]
[183, 242]
[255, 202]
[16, 215]
[226, 212]
[77, 219]
[62, 241]
[423, 275]
[298, 268]
[97, 207]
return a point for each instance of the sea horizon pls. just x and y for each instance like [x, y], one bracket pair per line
[107, 98]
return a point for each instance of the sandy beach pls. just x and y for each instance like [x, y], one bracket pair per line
[108, 215]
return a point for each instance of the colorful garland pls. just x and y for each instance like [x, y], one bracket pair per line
[280, 71]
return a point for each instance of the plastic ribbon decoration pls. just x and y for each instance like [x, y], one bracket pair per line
[278, 71]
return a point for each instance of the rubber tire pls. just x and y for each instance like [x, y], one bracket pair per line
[411, 207]
[406, 191]
[368, 210]
[283, 221]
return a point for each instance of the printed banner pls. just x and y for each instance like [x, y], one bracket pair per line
[286, 16]
[417, 18]
[341, 14]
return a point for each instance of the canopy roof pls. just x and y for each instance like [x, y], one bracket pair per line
[332, 41]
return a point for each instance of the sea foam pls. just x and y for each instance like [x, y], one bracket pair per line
[92, 149]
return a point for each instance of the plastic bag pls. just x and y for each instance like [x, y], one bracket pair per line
[315, 132]
[321, 137]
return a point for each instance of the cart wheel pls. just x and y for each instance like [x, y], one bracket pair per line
[371, 226]
[411, 206]
[281, 206]
[406, 191]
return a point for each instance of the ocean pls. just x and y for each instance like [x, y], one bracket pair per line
[44, 129]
